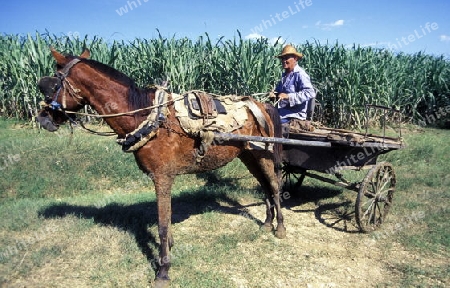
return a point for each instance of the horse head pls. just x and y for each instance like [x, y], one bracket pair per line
[59, 94]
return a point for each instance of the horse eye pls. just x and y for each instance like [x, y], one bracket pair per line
[56, 87]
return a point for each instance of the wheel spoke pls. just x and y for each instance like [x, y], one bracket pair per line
[292, 179]
[373, 213]
[374, 185]
[380, 214]
[368, 211]
[370, 194]
[386, 180]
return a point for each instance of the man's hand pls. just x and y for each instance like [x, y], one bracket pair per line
[283, 96]
[272, 95]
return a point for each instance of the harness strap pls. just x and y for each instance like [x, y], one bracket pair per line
[207, 138]
[61, 75]
[256, 111]
[65, 71]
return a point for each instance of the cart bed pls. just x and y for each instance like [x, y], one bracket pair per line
[346, 150]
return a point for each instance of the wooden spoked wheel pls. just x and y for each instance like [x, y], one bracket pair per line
[292, 178]
[375, 197]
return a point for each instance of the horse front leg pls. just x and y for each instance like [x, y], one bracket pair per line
[163, 187]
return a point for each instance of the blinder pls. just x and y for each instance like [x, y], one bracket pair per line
[50, 87]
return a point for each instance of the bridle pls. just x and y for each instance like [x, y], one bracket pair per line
[61, 79]
[58, 102]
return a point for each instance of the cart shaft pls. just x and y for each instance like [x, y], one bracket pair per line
[237, 137]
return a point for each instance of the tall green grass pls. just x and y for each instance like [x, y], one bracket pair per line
[346, 78]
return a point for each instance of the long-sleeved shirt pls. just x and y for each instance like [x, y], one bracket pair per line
[297, 85]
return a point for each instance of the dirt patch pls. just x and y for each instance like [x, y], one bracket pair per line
[219, 241]
[315, 255]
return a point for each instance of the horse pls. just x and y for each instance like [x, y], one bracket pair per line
[171, 151]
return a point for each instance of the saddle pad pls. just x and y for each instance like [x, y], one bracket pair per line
[223, 122]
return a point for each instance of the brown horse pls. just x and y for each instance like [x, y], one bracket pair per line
[80, 81]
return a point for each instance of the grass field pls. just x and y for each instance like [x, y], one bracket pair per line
[76, 212]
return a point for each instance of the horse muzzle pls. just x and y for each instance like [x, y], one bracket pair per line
[46, 121]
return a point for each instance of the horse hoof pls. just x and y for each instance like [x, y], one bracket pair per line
[162, 283]
[268, 227]
[280, 233]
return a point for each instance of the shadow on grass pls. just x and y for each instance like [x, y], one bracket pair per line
[137, 218]
[329, 210]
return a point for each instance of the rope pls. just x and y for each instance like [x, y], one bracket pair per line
[126, 113]
[137, 110]
[96, 132]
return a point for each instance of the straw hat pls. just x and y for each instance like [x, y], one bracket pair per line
[290, 50]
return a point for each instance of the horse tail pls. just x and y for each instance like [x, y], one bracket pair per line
[277, 131]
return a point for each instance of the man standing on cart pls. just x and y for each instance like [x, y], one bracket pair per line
[295, 92]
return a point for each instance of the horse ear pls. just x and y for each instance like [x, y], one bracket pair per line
[60, 59]
[86, 54]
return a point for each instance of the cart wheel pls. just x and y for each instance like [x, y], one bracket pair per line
[292, 178]
[375, 197]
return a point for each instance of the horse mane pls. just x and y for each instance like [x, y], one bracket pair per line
[137, 97]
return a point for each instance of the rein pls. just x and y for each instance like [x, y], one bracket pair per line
[126, 113]
[73, 92]
[96, 132]
[145, 131]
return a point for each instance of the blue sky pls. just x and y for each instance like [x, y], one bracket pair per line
[401, 26]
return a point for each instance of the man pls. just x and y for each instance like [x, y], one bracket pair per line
[294, 90]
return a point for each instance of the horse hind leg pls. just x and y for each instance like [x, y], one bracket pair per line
[262, 168]
[274, 181]
[272, 172]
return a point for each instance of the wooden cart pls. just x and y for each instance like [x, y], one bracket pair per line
[324, 153]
